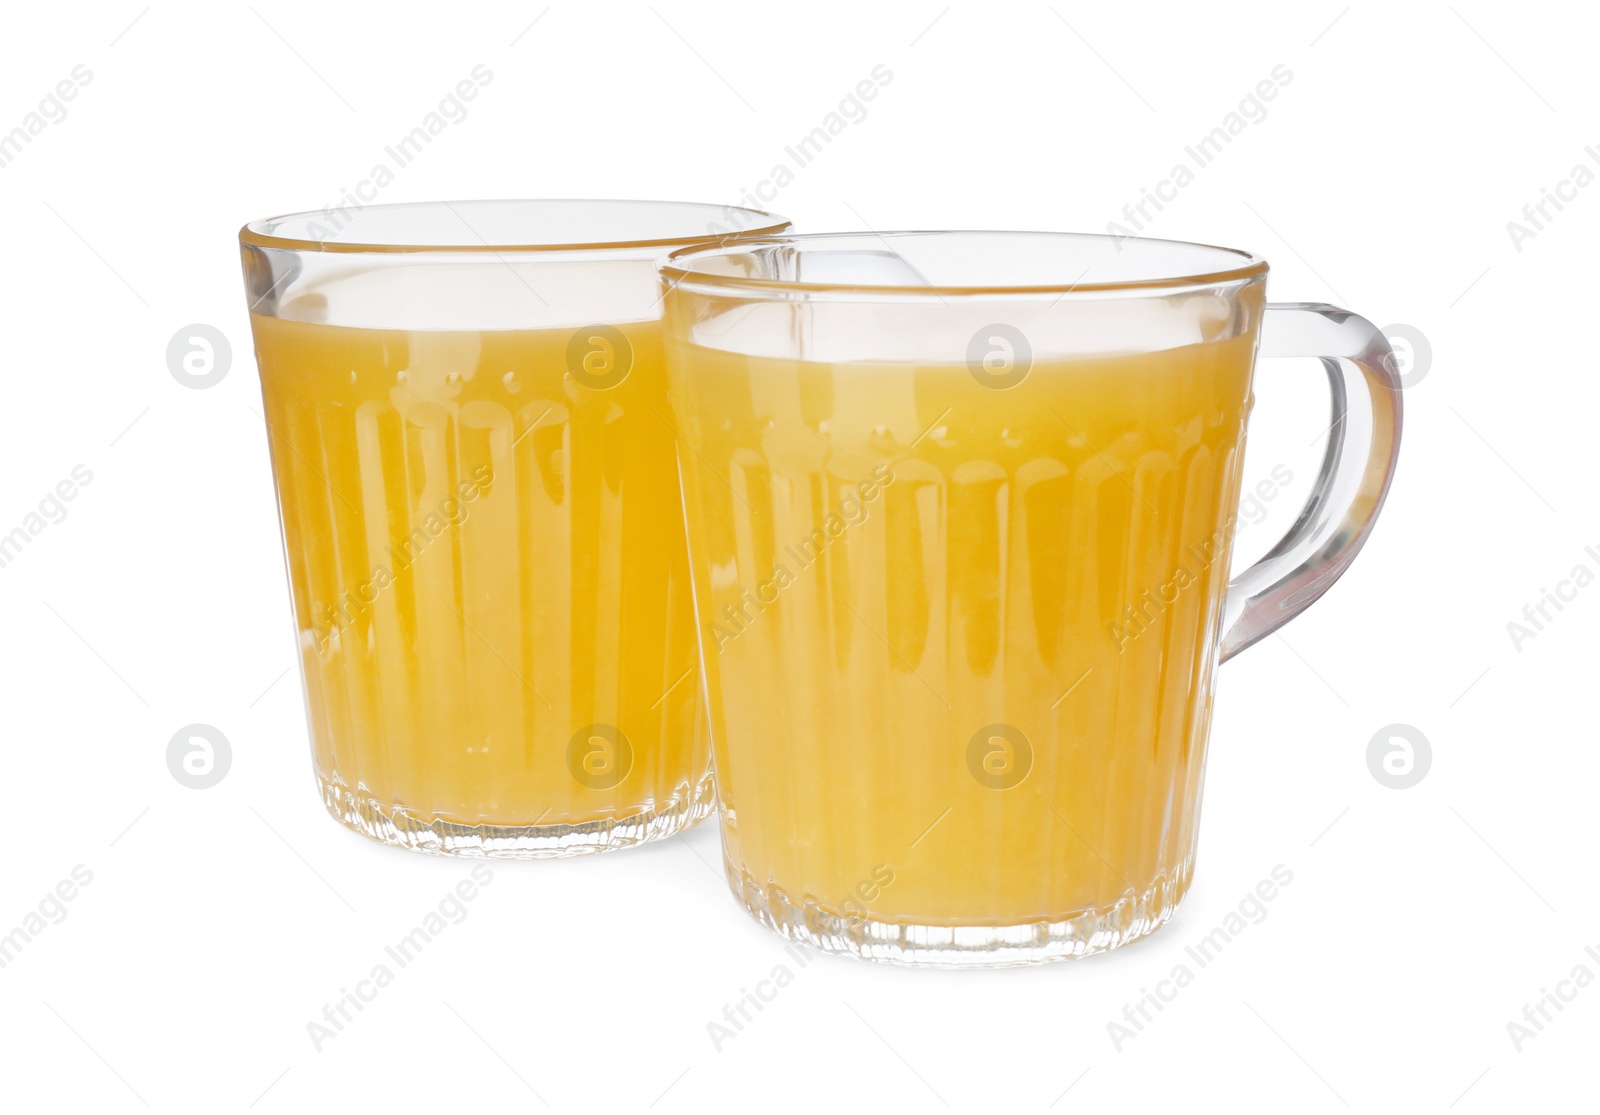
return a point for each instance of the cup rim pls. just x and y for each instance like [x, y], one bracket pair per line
[261, 233]
[677, 268]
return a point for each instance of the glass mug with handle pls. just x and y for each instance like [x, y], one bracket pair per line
[470, 437]
[960, 511]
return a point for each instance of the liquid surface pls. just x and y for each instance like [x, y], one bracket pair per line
[959, 641]
[488, 569]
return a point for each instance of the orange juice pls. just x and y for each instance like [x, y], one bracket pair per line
[487, 560]
[959, 641]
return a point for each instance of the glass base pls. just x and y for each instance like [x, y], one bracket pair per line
[963, 946]
[388, 825]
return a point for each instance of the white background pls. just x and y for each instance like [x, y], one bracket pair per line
[219, 922]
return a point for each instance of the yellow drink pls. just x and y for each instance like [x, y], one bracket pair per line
[489, 577]
[959, 641]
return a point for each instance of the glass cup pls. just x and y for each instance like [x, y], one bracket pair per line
[960, 511]
[474, 462]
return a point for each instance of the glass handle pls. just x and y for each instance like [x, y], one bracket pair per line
[1363, 444]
